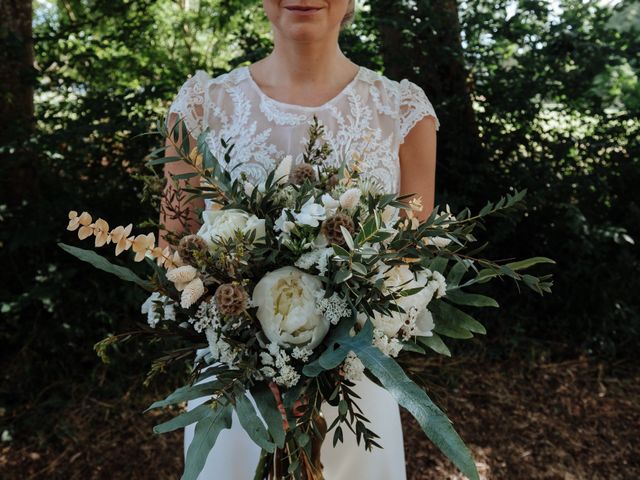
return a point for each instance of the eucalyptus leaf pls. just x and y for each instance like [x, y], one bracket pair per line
[105, 265]
[204, 438]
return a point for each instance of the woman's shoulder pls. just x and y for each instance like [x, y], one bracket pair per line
[230, 78]
[402, 99]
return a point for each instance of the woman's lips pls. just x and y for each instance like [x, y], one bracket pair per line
[303, 10]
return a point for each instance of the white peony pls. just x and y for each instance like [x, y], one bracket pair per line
[221, 225]
[391, 324]
[350, 198]
[287, 312]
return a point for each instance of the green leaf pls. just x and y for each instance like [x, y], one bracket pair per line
[347, 237]
[252, 423]
[529, 262]
[343, 275]
[204, 438]
[470, 299]
[436, 344]
[266, 403]
[415, 400]
[448, 315]
[439, 264]
[105, 265]
[187, 418]
[188, 392]
[456, 273]
[161, 160]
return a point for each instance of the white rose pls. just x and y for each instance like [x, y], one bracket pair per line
[330, 204]
[221, 225]
[286, 301]
[350, 198]
[283, 224]
[257, 224]
[310, 214]
[402, 275]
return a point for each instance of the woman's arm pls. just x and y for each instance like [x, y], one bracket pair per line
[170, 203]
[418, 164]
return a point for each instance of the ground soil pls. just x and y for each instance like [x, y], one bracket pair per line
[577, 419]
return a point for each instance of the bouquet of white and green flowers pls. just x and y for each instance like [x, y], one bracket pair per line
[294, 289]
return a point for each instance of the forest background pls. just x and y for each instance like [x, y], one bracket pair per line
[542, 95]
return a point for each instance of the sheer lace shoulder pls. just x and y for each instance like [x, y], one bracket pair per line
[413, 106]
[190, 103]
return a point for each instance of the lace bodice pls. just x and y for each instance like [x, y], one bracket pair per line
[370, 117]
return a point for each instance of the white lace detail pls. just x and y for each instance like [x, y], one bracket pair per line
[369, 119]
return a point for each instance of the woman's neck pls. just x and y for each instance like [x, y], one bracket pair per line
[296, 66]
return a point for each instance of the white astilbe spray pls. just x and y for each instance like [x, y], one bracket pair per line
[352, 367]
[277, 367]
[206, 316]
[333, 308]
[158, 307]
[318, 257]
[389, 346]
[221, 351]
[301, 354]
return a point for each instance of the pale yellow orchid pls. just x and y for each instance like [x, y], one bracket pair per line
[101, 231]
[141, 243]
[119, 236]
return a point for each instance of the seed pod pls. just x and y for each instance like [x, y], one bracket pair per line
[331, 228]
[300, 173]
[232, 299]
[333, 181]
[188, 247]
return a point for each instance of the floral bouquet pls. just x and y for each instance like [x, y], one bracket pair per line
[294, 289]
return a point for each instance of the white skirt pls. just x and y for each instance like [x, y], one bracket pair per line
[235, 456]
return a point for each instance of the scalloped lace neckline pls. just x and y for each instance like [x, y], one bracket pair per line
[266, 97]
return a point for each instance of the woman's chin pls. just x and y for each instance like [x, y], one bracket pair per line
[304, 32]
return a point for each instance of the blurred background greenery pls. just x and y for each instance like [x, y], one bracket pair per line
[533, 94]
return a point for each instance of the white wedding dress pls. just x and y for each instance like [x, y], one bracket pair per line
[370, 116]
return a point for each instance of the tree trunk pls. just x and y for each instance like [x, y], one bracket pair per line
[16, 98]
[423, 44]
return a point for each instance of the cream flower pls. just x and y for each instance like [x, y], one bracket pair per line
[222, 224]
[119, 236]
[283, 170]
[439, 242]
[310, 214]
[330, 204]
[101, 231]
[183, 274]
[350, 198]
[191, 292]
[400, 278]
[141, 244]
[286, 308]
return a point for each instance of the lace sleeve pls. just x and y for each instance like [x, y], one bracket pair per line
[414, 105]
[189, 104]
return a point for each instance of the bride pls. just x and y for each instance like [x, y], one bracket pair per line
[264, 109]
